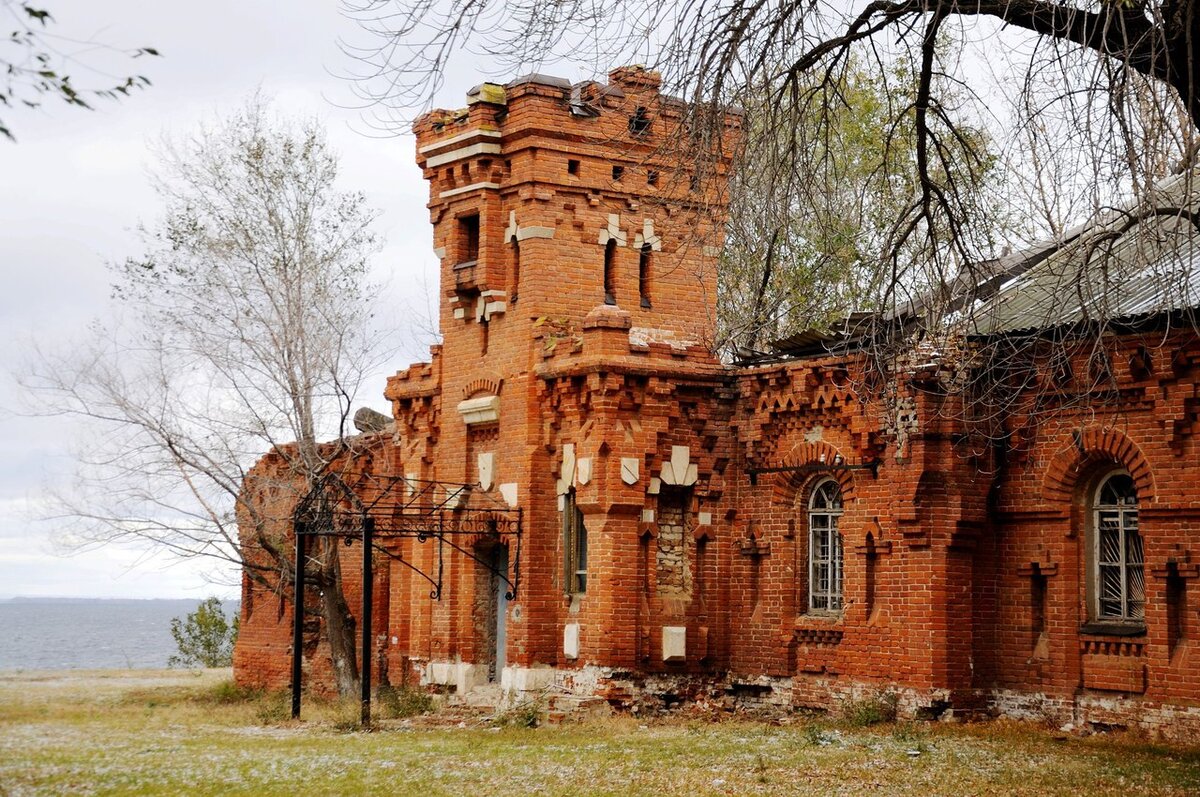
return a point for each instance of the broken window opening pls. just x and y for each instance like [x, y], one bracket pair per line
[672, 573]
[639, 123]
[825, 548]
[575, 546]
[514, 271]
[573, 167]
[610, 257]
[644, 275]
[468, 238]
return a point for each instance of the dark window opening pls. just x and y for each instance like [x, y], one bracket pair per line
[644, 274]
[575, 546]
[573, 167]
[514, 272]
[1176, 608]
[610, 257]
[652, 177]
[693, 182]
[1037, 585]
[507, 168]
[618, 172]
[639, 123]
[468, 238]
[872, 560]
[466, 170]
[483, 326]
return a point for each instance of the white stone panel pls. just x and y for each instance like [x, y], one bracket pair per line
[509, 491]
[566, 476]
[486, 463]
[583, 470]
[571, 640]
[630, 469]
[484, 409]
[674, 643]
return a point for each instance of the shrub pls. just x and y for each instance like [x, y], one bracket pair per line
[205, 637]
[879, 707]
[274, 708]
[404, 701]
[523, 715]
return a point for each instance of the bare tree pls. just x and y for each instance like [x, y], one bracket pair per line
[245, 330]
[1107, 79]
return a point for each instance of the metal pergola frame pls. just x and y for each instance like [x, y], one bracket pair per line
[405, 508]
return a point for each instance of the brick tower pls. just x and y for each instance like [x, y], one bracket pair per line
[578, 270]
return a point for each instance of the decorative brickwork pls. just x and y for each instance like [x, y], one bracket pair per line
[576, 292]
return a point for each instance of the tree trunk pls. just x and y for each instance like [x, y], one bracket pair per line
[339, 623]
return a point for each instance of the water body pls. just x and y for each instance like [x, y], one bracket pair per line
[80, 633]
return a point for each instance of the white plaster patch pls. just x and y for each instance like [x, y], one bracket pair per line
[455, 496]
[486, 463]
[410, 484]
[705, 519]
[571, 640]
[439, 252]
[815, 434]
[460, 312]
[655, 486]
[509, 491]
[644, 336]
[674, 643]
[630, 469]
[583, 470]
[647, 515]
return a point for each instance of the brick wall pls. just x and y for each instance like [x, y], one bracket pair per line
[964, 550]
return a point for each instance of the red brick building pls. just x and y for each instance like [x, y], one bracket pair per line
[676, 529]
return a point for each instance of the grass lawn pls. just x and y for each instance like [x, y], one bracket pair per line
[171, 732]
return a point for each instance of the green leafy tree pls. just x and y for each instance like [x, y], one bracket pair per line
[205, 637]
[814, 209]
[35, 63]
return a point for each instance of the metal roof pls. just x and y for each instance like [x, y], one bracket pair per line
[1152, 268]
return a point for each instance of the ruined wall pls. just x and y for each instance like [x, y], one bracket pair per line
[577, 295]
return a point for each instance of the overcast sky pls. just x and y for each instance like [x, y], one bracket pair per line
[74, 187]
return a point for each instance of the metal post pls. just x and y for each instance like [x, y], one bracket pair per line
[367, 632]
[297, 620]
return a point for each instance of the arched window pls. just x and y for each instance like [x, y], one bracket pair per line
[1118, 568]
[825, 548]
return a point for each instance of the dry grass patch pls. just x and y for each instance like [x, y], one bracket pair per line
[174, 733]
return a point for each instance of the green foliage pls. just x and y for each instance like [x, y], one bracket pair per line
[400, 702]
[873, 710]
[274, 708]
[228, 693]
[527, 714]
[205, 637]
[30, 62]
[822, 217]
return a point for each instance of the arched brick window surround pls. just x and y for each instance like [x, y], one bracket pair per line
[1089, 451]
